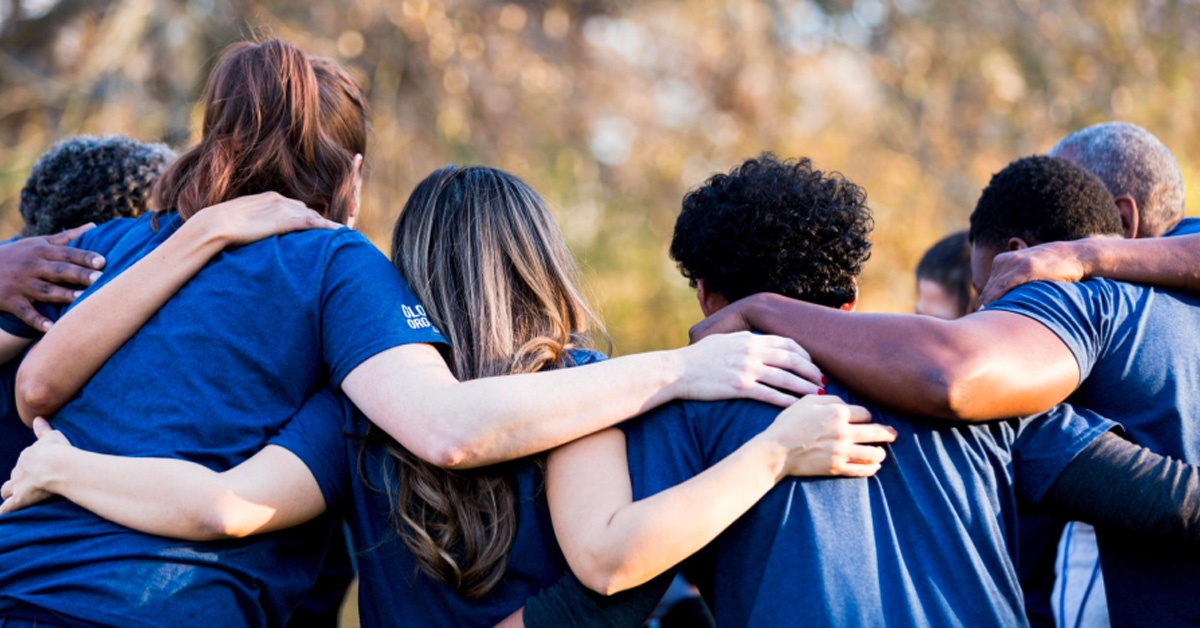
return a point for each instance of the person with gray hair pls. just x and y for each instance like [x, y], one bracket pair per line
[1140, 171]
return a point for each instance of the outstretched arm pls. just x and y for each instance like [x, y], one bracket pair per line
[410, 393]
[1168, 262]
[272, 490]
[88, 334]
[988, 365]
[613, 543]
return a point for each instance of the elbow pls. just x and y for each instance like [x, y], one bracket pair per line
[951, 391]
[36, 396]
[447, 453]
[602, 574]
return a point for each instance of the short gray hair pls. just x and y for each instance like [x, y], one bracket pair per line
[1130, 160]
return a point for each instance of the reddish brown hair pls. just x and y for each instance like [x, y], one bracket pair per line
[271, 125]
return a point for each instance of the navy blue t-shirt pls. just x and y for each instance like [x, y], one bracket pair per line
[1187, 226]
[925, 542]
[392, 588]
[211, 378]
[14, 436]
[1138, 350]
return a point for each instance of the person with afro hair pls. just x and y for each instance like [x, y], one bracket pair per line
[773, 225]
[86, 179]
[1120, 350]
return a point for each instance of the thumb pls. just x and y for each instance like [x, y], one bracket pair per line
[41, 427]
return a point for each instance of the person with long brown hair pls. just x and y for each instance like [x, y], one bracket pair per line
[209, 375]
[440, 546]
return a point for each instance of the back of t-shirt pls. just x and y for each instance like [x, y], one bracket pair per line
[211, 378]
[925, 542]
[1138, 350]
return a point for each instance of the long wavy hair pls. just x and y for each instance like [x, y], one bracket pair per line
[482, 253]
[271, 125]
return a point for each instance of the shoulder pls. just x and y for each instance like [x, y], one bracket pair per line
[1187, 226]
[105, 237]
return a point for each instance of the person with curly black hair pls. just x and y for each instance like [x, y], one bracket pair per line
[1126, 351]
[80, 182]
[923, 542]
[775, 226]
[87, 179]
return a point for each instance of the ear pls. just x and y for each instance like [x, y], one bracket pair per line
[1130, 216]
[357, 204]
[710, 301]
[852, 305]
[1016, 244]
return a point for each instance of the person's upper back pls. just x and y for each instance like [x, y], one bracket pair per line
[926, 541]
[1138, 350]
[239, 347]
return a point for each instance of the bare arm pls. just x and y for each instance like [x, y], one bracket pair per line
[82, 341]
[271, 491]
[1172, 262]
[988, 365]
[613, 543]
[410, 393]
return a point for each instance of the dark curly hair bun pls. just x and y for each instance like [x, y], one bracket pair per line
[1043, 199]
[90, 179]
[775, 226]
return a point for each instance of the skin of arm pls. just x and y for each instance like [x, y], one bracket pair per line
[1172, 263]
[613, 543]
[408, 391]
[87, 335]
[988, 365]
[272, 490]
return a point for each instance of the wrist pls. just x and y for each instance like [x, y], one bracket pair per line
[203, 233]
[772, 453]
[670, 374]
[1091, 255]
[51, 472]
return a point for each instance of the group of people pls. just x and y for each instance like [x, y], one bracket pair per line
[235, 402]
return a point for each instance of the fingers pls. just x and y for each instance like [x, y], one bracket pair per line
[67, 236]
[795, 363]
[788, 381]
[870, 433]
[67, 272]
[821, 400]
[851, 470]
[46, 292]
[6, 490]
[41, 427]
[23, 309]
[766, 394]
[72, 255]
[865, 454]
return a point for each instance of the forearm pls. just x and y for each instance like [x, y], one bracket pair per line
[1117, 484]
[485, 421]
[1172, 262]
[650, 536]
[917, 364]
[160, 496]
[78, 345]
[569, 604]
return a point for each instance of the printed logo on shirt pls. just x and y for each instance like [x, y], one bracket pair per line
[416, 317]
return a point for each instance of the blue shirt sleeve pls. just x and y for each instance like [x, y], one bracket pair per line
[663, 450]
[366, 308]
[1082, 315]
[316, 435]
[1187, 226]
[1048, 442]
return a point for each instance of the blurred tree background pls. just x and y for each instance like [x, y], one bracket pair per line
[614, 108]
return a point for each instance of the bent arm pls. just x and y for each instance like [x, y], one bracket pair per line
[613, 543]
[1117, 484]
[1167, 262]
[85, 337]
[988, 365]
[271, 491]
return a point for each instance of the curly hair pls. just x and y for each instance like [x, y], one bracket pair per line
[90, 179]
[1043, 199]
[775, 226]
